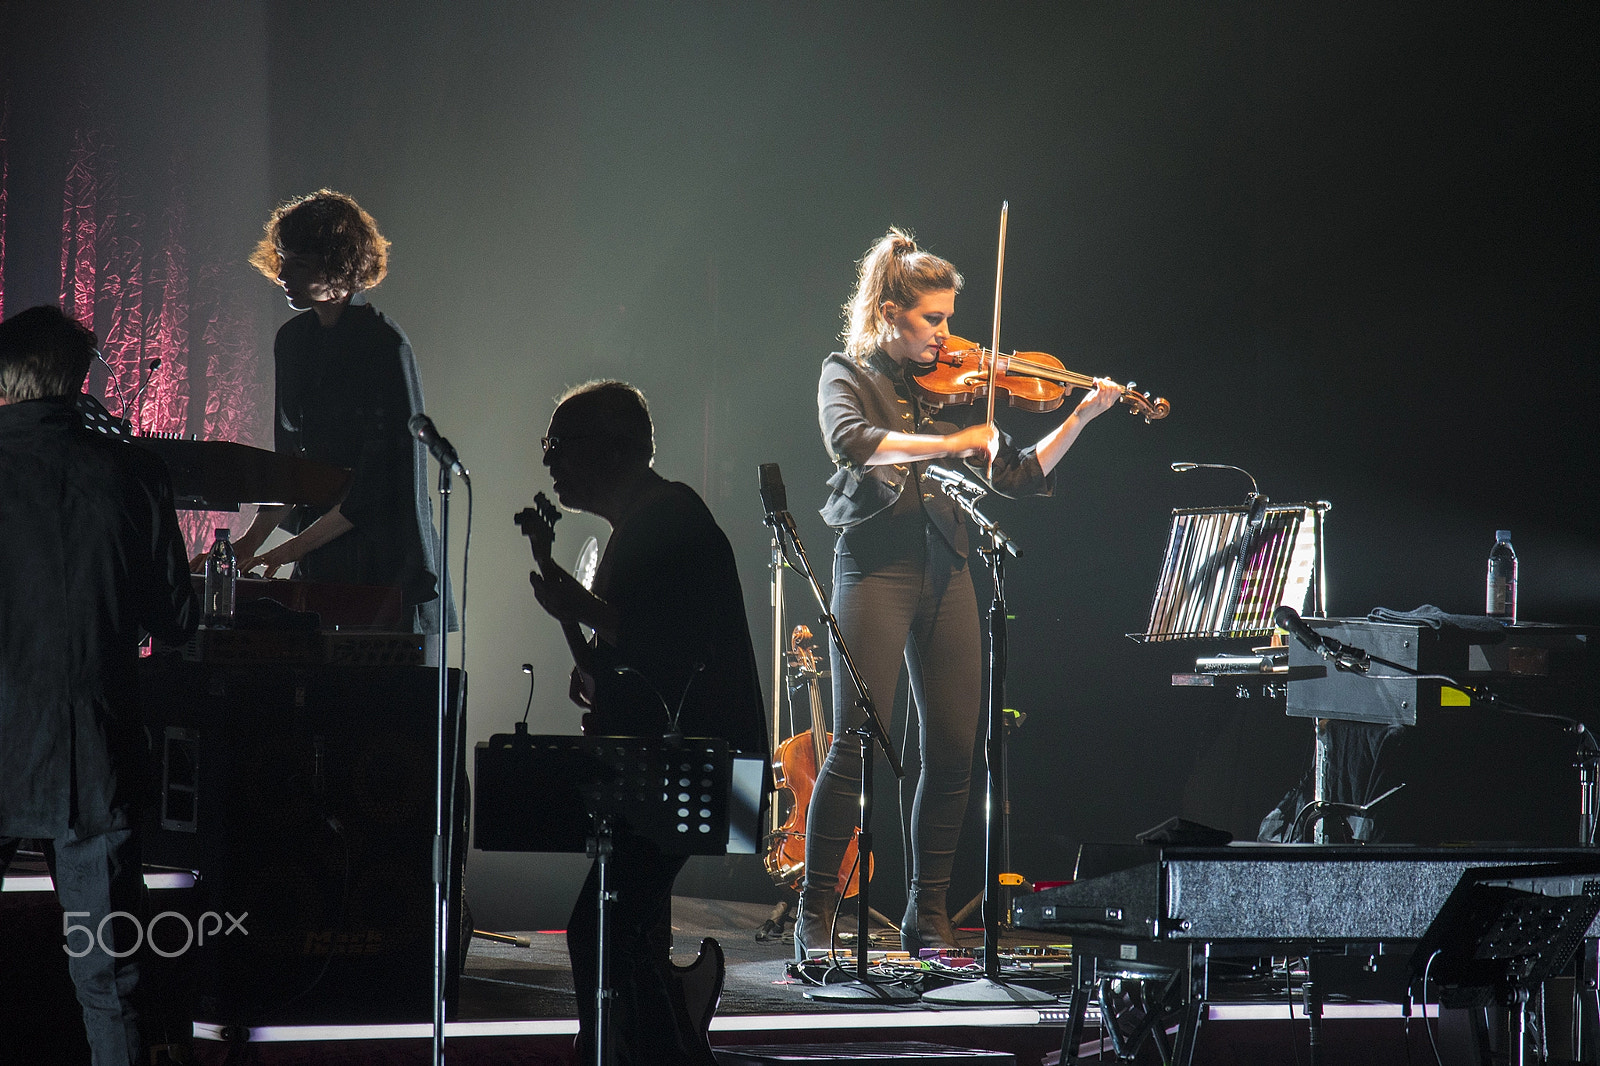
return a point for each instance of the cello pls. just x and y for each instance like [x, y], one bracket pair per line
[795, 765]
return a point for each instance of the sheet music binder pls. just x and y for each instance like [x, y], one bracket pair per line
[1226, 569]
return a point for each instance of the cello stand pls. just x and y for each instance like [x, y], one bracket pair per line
[991, 990]
[866, 987]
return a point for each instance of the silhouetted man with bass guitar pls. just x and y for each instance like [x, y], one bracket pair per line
[671, 655]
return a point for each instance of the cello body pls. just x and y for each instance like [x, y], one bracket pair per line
[795, 766]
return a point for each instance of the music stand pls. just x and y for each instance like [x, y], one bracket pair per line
[572, 794]
[1227, 569]
[1504, 931]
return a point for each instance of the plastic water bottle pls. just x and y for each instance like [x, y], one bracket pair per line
[222, 581]
[1501, 595]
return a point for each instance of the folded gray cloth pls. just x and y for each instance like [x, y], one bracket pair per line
[1478, 628]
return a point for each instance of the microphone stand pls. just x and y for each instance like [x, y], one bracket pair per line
[870, 731]
[444, 781]
[990, 989]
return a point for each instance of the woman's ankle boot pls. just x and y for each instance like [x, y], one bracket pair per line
[813, 924]
[926, 925]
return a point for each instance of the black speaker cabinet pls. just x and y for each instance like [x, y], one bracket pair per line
[303, 796]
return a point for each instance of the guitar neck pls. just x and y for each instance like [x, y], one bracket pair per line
[577, 645]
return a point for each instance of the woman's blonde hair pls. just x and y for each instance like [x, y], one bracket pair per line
[895, 269]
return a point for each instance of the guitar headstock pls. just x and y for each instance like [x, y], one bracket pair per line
[538, 524]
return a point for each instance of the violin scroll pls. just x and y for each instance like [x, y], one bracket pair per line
[1141, 403]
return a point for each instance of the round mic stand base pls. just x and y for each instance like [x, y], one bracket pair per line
[868, 991]
[987, 993]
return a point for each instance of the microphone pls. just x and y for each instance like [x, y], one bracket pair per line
[1183, 468]
[956, 482]
[775, 500]
[150, 375]
[1343, 655]
[774, 497]
[423, 429]
[1288, 619]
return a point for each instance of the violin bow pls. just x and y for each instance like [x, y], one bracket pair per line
[994, 348]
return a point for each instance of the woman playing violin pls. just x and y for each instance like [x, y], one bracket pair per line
[902, 586]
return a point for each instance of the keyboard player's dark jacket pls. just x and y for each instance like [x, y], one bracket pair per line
[90, 558]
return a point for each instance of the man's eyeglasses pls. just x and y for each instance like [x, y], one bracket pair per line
[550, 444]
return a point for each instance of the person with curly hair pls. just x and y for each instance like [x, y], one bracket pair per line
[346, 386]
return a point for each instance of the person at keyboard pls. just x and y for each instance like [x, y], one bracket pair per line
[346, 387]
[93, 560]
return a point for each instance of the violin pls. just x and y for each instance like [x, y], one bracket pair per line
[795, 766]
[1034, 381]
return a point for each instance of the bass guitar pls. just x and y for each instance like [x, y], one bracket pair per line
[538, 524]
[696, 987]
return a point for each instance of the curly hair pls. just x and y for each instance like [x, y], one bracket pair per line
[332, 227]
[894, 268]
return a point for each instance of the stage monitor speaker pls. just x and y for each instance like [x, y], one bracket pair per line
[304, 798]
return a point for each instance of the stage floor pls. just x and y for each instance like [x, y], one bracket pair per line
[502, 981]
[517, 1003]
[517, 1006]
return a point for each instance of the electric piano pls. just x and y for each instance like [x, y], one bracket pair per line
[1165, 918]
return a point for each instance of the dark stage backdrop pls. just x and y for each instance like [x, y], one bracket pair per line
[1354, 244]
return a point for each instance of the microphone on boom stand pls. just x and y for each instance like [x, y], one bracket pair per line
[866, 987]
[1343, 656]
[775, 501]
[956, 482]
[422, 428]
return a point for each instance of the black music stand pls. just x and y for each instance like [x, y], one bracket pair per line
[1506, 930]
[572, 794]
